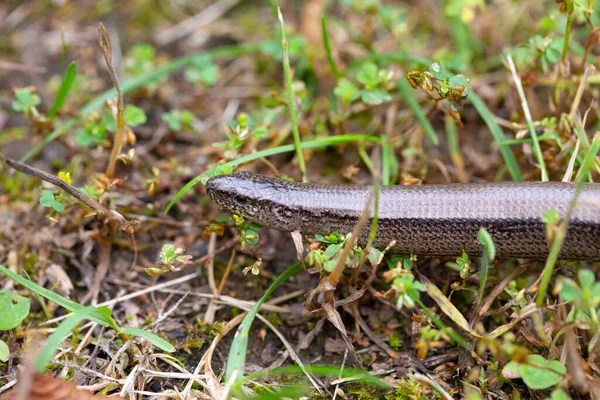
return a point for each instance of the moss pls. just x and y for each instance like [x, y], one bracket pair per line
[411, 389]
[359, 391]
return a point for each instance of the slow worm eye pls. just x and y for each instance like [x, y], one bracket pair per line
[240, 201]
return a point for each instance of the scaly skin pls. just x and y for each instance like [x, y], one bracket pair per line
[436, 220]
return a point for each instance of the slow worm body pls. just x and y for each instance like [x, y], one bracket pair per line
[440, 220]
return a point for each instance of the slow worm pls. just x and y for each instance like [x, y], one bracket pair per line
[436, 220]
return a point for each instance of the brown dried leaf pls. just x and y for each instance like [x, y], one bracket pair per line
[59, 279]
[46, 387]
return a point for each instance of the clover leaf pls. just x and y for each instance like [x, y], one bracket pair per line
[537, 372]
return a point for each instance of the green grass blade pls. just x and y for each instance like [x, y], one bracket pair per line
[334, 69]
[386, 161]
[462, 38]
[137, 82]
[400, 58]
[546, 136]
[322, 370]
[63, 330]
[311, 144]
[236, 361]
[290, 97]
[149, 336]
[570, 8]
[489, 253]
[496, 131]
[58, 299]
[589, 160]
[407, 92]
[64, 90]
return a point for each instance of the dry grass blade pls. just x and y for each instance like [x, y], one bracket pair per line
[335, 275]
[334, 317]
[580, 89]
[536, 144]
[446, 306]
[106, 46]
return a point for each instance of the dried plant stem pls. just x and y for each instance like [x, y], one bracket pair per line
[106, 46]
[536, 144]
[56, 181]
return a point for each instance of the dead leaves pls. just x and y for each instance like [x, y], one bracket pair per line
[46, 387]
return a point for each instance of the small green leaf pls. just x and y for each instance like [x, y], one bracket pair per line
[570, 291]
[151, 337]
[168, 250]
[375, 96]
[586, 278]
[251, 236]
[331, 250]
[4, 352]
[329, 265]
[203, 71]
[596, 291]
[176, 119]
[369, 75]
[255, 226]
[552, 55]
[439, 71]
[58, 206]
[345, 91]
[172, 121]
[558, 394]
[539, 373]
[134, 116]
[13, 310]
[25, 100]
[47, 198]
[511, 370]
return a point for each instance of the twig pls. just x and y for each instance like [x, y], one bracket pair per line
[536, 144]
[8, 66]
[337, 386]
[226, 274]
[101, 269]
[190, 25]
[136, 294]
[371, 335]
[580, 90]
[86, 371]
[72, 190]
[106, 46]
[496, 292]
[292, 353]
[163, 316]
[209, 316]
